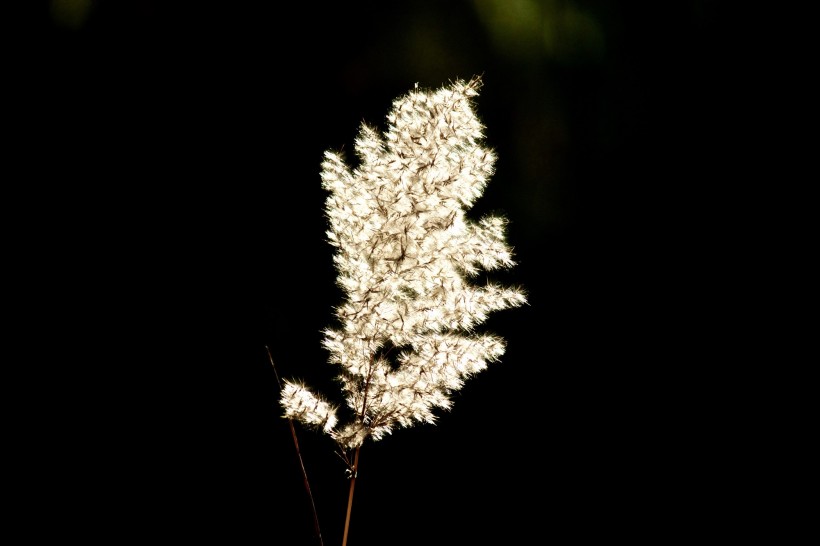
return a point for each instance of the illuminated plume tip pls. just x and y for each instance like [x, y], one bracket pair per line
[301, 404]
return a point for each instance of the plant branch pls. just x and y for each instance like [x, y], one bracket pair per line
[301, 462]
[350, 496]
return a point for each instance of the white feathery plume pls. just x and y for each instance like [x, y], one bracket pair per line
[405, 253]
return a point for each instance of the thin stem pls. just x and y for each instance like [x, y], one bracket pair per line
[301, 462]
[350, 496]
[356, 457]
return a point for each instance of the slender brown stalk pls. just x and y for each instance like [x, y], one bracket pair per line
[350, 496]
[356, 460]
[302, 463]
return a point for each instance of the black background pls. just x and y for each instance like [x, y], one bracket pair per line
[182, 143]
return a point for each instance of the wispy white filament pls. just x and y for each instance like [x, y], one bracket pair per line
[405, 253]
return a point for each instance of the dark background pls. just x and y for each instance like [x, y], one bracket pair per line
[188, 138]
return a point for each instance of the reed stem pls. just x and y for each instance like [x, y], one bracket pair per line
[350, 496]
[302, 463]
